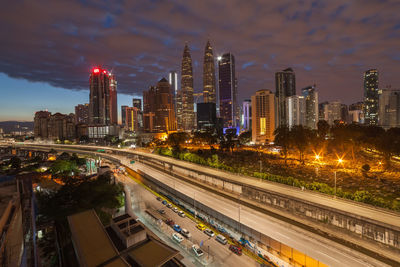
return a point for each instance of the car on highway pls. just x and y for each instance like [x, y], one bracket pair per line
[177, 228]
[182, 214]
[159, 198]
[177, 237]
[169, 222]
[201, 227]
[197, 250]
[185, 233]
[169, 205]
[235, 249]
[161, 211]
[221, 239]
[209, 232]
[164, 202]
[175, 209]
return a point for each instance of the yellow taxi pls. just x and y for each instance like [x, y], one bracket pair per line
[201, 227]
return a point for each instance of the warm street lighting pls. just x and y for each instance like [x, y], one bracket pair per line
[340, 160]
[380, 162]
[317, 157]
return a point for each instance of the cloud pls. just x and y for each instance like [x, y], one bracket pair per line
[329, 43]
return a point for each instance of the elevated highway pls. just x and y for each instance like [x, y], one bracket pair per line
[363, 228]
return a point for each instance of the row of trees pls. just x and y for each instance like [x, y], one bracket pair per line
[341, 139]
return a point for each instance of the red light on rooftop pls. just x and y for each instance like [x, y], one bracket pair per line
[96, 70]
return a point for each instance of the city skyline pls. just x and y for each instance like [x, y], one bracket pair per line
[334, 55]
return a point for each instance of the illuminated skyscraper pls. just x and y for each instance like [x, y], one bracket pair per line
[165, 120]
[228, 107]
[246, 113]
[103, 98]
[311, 106]
[185, 101]
[173, 81]
[123, 115]
[209, 75]
[295, 110]
[285, 84]
[263, 117]
[371, 97]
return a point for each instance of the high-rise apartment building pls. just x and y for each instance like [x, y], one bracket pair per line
[137, 103]
[165, 119]
[246, 113]
[149, 109]
[331, 112]
[40, 124]
[103, 98]
[371, 97]
[228, 108]
[82, 113]
[209, 92]
[185, 101]
[263, 117]
[132, 119]
[295, 110]
[389, 108]
[123, 115]
[310, 95]
[54, 127]
[285, 84]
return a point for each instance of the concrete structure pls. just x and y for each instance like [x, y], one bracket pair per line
[285, 84]
[356, 116]
[331, 111]
[344, 113]
[206, 115]
[246, 115]
[103, 98]
[228, 108]
[371, 96]
[40, 123]
[101, 131]
[185, 104]
[209, 92]
[263, 117]
[82, 113]
[126, 242]
[149, 109]
[123, 114]
[311, 110]
[389, 108]
[295, 110]
[11, 227]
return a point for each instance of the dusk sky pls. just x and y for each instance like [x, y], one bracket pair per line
[47, 48]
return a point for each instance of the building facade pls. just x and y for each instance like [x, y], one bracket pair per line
[123, 115]
[149, 109]
[103, 98]
[228, 108]
[40, 124]
[285, 85]
[54, 127]
[310, 95]
[371, 97]
[164, 119]
[173, 81]
[132, 115]
[137, 103]
[82, 113]
[185, 108]
[263, 117]
[209, 92]
[331, 112]
[295, 110]
[206, 115]
[389, 108]
[246, 113]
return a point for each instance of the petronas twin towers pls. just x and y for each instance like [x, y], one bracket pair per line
[184, 99]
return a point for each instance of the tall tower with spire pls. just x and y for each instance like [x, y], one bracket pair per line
[209, 75]
[185, 109]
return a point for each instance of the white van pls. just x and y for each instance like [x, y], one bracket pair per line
[221, 239]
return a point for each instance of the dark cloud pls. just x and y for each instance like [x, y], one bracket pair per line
[329, 43]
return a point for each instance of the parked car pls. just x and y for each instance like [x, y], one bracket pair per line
[185, 233]
[209, 232]
[182, 214]
[159, 198]
[197, 250]
[169, 205]
[235, 249]
[177, 228]
[177, 237]
[161, 211]
[201, 227]
[175, 209]
[169, 222]
[221, 239]
[164, 202]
